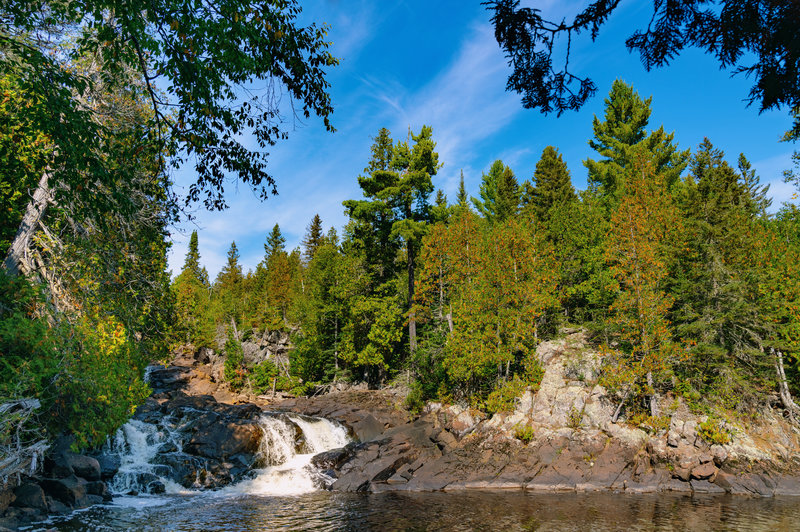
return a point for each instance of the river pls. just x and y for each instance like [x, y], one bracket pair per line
[285, 495]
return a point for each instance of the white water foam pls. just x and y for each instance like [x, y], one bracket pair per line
[289, 472]
[288, 444]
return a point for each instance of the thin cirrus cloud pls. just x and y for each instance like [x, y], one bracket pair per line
[465, 104]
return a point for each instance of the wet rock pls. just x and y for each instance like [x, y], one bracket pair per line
[99, 488]
[109, 465]
[223, 439]
[155, 487]
[71, 491]
[705, 486]
[30, 495]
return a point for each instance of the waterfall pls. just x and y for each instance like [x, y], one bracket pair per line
[137, 443]
[289, 442]
[288, 469]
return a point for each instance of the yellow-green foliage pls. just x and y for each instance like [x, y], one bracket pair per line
[712, 431]
[87, 374]
[101, 388]
[523, 432]
[503, 398]
[262, 375]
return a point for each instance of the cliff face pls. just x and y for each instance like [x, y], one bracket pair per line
[561, 438]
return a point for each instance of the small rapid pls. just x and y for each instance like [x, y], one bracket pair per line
[287, 459]
[148, 458]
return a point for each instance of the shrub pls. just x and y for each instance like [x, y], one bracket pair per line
[414, 402]
[262, 375]
[503, 398]
[523, 432]
[713, 432]
[234, 370]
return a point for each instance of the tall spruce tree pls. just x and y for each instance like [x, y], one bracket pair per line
[716, 286]
[499, 194]
[551, 185]
[275, 242]
[314, 238]
[462, 199]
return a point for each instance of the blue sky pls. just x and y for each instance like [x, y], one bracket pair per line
[412, 63]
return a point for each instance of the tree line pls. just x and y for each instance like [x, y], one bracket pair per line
[671, 260]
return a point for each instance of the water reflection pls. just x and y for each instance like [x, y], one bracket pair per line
[445, 511]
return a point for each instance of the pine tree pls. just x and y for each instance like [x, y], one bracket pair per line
[499, 194]
[551, 185]
[462, 200]
[275, 242]
[621, 134]
[397, 191]
[314, 238]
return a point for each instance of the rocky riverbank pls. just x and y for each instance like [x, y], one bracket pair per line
[559, 438]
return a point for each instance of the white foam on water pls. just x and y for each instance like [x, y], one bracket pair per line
[288, 444]
[290, 473]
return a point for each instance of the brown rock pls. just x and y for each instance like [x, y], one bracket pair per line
[704, 471]
[30, 495]
[70, 491]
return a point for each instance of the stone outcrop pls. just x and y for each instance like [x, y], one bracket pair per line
[569, 443]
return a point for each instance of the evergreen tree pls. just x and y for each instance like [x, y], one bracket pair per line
[275, 242]
[314, 238]
[397, 191]
[551, 185]
[756, 193]
[462, 200]
[644, 229]
[621, 134]
[716, 285]
[192, 263]
[440, 211]
[191, 290]
[499, 194]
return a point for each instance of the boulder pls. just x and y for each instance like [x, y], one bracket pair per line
[109, 465]
[704, 471]
[30, 495]
[84, 466]
[71, 490]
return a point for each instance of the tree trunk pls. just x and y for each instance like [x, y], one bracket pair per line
[783, 387]
[412, 322]
[17, 260]
[653, 396]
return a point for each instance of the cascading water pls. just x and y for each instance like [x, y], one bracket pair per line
[137, 443]
[284, 456]
[287, 459]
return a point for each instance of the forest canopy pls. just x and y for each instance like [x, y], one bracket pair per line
[672, 261]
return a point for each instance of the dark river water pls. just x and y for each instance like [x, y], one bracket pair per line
[438, 511]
